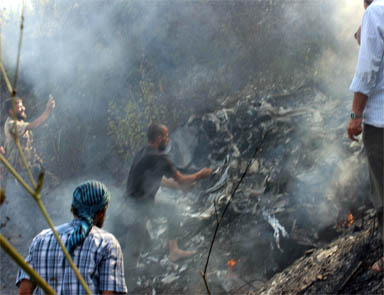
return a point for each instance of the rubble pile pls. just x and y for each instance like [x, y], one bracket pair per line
[339, 268]
[300, 187]
[288, 228]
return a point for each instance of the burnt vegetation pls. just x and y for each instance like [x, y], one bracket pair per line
[229, 78]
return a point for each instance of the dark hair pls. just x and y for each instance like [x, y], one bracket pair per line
[8, 104]
[154, 131]
[75, 213]
[368, 2]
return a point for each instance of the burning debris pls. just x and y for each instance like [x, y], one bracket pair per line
[350, 220]
[288, 205]
[339, 268]
[271, 220]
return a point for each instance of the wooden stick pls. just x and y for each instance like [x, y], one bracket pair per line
[205, 282]
[34, 194]
[5, 76]
[17, 175]
[20, 42]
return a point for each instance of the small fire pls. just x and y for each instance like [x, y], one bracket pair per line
[350, 219]
[346, 222]
[231, 263]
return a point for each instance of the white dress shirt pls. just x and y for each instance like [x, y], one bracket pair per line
[369, 75]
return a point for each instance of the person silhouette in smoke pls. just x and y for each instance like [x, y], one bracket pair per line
[24, 132]
[368, 106]
[16, 121]
[150, 169]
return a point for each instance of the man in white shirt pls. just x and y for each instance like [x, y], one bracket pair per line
[358, 32]
[368, 105]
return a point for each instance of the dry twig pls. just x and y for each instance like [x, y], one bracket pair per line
[19, 48]
[34, 193]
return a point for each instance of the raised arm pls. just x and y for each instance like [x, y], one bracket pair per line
[44, 116]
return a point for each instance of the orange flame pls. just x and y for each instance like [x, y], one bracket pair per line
[350, 219]
[231, 263]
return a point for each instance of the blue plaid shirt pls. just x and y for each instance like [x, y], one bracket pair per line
[99, 260]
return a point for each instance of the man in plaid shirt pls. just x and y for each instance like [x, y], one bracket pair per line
[96, 253]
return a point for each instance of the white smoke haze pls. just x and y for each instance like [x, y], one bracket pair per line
[60, 199]
[337, 68]
[84, 44]
[338, 64]
[336, 171]
[62, 57]
[72, 50]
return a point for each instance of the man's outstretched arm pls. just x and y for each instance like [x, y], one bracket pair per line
[173, 184]
[44, 116]
[188, 179]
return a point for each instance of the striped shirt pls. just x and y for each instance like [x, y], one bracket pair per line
[369, 75]
[99, 260]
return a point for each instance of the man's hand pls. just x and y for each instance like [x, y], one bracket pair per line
[354, 128]
[50, 104]
[204, 173]
[358, 105]
[2, 151]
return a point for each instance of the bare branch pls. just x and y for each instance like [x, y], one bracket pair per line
[17, 175]
[19, 48]
[5, 76]
[34, 194]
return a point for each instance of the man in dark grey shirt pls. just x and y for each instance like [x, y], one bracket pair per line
[150, 169]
